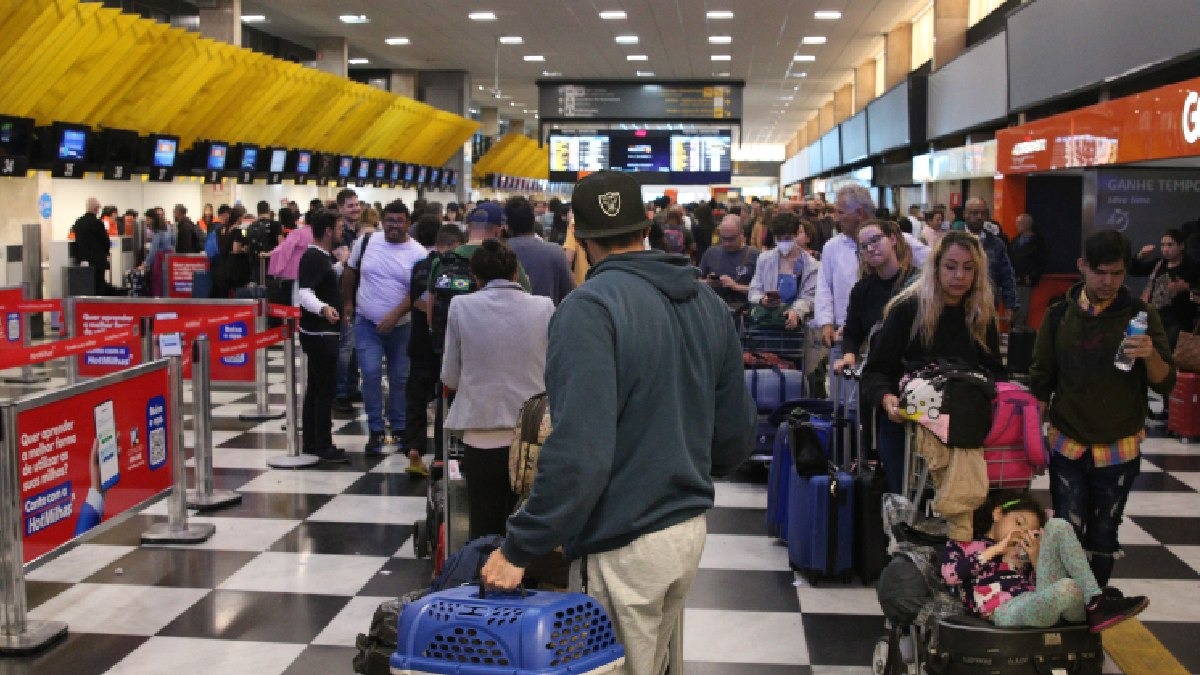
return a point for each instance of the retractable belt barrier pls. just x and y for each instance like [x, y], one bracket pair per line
[16, 309]
[77, 457]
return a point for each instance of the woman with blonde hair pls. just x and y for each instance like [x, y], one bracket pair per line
[947, 313]
[760, 235]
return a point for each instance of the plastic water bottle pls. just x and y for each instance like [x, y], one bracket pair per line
[1137, 326]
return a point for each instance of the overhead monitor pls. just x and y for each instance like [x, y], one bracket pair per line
[72, 143]
[304, 162]
[364, 168]
[249, 159]
[278, 160]
[165, 148]
[571, 154]
[218, 153]
[345, 166]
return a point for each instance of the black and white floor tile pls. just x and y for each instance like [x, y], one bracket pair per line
[296, 569]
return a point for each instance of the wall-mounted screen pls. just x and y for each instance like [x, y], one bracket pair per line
[278, 160]
[304, 162]
[673, 157]
[249, 158]
[72, 143]
[164, 151]
[218, 153]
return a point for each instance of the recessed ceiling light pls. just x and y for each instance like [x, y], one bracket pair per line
[482, 16]
[799, 74]
[720, 74]
[645, 73]
[481, 87]
[813, 40]
[719, 39]
[722, 57]
[827, 15]
[474, 111]
[796, 88]
[253, 18]
[786, 98]
[612, 15]
[354, 18]
[627, 39]
[804, 58]
[512, 40]
[397, 41]
[720, 14]
[512, 103]
[637, 57]
[551, 73]
[358, 62]
[534, 57]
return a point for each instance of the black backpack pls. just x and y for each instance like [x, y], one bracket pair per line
[259, 237]
[453, 279]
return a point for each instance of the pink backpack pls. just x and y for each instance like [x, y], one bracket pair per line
[1014, 448]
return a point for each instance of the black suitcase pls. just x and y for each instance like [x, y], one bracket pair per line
[969, 646]
[870, 546]
[1020, 349]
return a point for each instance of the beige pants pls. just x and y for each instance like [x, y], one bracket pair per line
[642, 586]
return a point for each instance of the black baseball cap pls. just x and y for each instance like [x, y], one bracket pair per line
[607, 203]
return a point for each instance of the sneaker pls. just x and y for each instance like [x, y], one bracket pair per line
[416, 466]
[333, 455]
[1107, 611]
[374, 444]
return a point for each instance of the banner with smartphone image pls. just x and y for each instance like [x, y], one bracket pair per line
[90, 452]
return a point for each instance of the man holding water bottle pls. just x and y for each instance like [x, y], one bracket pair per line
[1094, 398]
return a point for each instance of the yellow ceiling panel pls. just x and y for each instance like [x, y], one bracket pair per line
[69, 95]
[52, 47]
[24, 21]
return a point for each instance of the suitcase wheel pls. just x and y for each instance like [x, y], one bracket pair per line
[880, 657]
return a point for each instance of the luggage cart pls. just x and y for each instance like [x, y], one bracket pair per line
[786, 344]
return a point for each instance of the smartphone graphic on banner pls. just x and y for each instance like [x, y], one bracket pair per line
[106, 436]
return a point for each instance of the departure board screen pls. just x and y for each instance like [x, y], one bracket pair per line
[578, 153]
[700, 154]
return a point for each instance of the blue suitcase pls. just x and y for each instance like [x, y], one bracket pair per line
[202, 284]
[772, 387]
[820, 525]
[779, 481]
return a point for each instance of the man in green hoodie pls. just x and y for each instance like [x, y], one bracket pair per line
[1097, 412]
[648, 398]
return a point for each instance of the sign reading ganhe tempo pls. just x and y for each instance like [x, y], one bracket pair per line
[640, 101]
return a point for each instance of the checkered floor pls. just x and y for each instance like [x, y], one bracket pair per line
[295, 571]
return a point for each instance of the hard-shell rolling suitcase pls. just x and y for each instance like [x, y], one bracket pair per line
[820, 525]
[820, 519]
[779, 477]
[772, 387]
[968, 646]
[1183, 406]
[871, 542]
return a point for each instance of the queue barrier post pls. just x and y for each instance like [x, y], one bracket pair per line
[177, 530]
[68, 331]
[262, 402]
[18, 633]
[27, 375]
[294, 459]
[204, 497]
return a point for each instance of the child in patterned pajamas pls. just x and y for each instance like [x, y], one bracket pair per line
[1025, 570]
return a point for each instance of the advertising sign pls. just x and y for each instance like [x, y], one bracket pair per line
[1143, 203]
[9, 299]
[180, 268]
[96, 316]
[1161, 123]
[86, 457]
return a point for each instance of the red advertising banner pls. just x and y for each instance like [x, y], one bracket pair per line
[180, 268]
[87, 457]
[15, 358]
[283, 312]
[94, 316]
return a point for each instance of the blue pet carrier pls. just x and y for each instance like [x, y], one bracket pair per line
[529, 633]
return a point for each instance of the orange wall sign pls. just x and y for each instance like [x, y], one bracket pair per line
[1158, 124]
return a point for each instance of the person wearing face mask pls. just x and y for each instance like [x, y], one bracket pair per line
[785, 278]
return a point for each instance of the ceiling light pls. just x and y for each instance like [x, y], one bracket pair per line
[722, 57]
[827, 15]
[512, 40]
[720, 14]
[799, 74]
[627, 39]
[481, 87]
[796, 88]
[474, 111]
[645, 73]
[612, 15]
[813, 40]
[551, 73]
[534, 57]
[354, 18]
[637, 57]
[805, 58]
[786, 98]
[358, 62]
[720, 74]
[482, 16]
[512, 103]
[719, 39]
[397, 41]
[253, 18]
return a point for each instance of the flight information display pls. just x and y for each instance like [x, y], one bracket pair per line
[704, 154]
[578, 153]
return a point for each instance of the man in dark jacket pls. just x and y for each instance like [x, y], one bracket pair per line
[92, 243]
[1000, 269]
[188, 237]
[648, 399]
[1097, 413]
[1028, 255]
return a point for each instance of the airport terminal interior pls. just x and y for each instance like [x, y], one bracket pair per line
[1075, 117]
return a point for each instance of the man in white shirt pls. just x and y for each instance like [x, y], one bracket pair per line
[375, 295]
